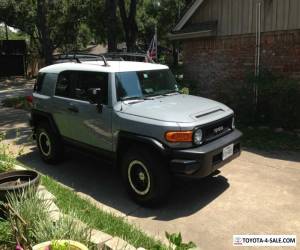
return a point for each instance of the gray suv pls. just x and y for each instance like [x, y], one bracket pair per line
[132, 113]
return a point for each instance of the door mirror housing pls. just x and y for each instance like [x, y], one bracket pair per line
[94, 95]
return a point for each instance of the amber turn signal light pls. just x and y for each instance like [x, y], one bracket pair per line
[179, 136]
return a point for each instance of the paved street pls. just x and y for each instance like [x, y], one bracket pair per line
[259, 193]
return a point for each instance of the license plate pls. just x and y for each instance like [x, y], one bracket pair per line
[227, 152]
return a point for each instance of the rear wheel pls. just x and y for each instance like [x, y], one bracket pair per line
[145, 176]
[49, 144]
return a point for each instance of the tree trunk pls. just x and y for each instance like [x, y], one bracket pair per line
[129, 23]
[44, 32]
[111, 9]
[6, 31]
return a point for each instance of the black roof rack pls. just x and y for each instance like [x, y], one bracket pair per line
[79, 57]
[123, 56]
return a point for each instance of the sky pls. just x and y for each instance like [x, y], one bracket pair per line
[10, 28]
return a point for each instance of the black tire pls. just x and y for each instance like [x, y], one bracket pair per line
[49, 144]
[145, 176]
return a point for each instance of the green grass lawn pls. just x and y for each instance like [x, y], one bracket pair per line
[267, 139]
[67, 201]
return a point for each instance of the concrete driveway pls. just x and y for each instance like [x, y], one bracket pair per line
[259, 193]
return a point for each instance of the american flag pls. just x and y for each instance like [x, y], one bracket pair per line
[152, 51]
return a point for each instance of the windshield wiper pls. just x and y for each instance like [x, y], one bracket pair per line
[163, 93]
[172, 92]
[128, 98]
[152, 95]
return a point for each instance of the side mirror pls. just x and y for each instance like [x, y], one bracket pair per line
[94, 95]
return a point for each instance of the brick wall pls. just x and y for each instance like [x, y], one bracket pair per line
[211, 61]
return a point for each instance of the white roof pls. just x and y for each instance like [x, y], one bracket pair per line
[98, 66]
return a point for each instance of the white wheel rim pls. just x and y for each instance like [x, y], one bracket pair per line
[45, 144]
[142, 176]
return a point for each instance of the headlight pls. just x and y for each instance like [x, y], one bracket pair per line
[198, 136]
[233, 123]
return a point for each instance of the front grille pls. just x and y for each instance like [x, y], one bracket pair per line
[217, 129]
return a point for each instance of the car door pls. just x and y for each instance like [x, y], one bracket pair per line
[61, 104]
[89, 123]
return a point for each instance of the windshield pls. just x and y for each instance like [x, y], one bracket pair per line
[142, 84]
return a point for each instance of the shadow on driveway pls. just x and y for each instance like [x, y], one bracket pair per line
[99, 179]
[14, 124]
[291, 156]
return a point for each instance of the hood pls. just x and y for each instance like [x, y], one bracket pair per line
[175, 108]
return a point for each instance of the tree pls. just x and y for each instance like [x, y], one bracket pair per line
[165, 14]
[129, 22]
[111, 24]
[44, 32]
[50, 24]
[12, 35]
[72, 24]
[95, 18]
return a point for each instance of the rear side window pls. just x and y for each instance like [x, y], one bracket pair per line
[88, 80]
[64, 83]
[39, 83]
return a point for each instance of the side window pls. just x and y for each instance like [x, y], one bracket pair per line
[63, 85]
[88, 80]
[127, 85]
[39, 82]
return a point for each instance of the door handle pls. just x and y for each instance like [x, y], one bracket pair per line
[73, 109]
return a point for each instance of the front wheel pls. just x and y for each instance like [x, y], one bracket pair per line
[145, 176]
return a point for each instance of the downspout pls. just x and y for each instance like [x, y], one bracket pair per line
[257, 48]
[258, 38]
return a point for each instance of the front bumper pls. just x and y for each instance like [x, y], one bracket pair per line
[204, 160]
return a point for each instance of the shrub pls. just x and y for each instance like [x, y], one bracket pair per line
[176, 243]
[278, 100]
[6, 235]
[7, 158]
[239, 96]
[19, 102]
[39, 227]
[66, 228]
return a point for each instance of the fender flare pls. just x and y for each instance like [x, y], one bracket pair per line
[37, 115]
[156, 144]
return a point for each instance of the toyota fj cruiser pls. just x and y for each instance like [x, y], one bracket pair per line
[133, 113]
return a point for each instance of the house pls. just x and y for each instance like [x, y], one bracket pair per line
[226, 40]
